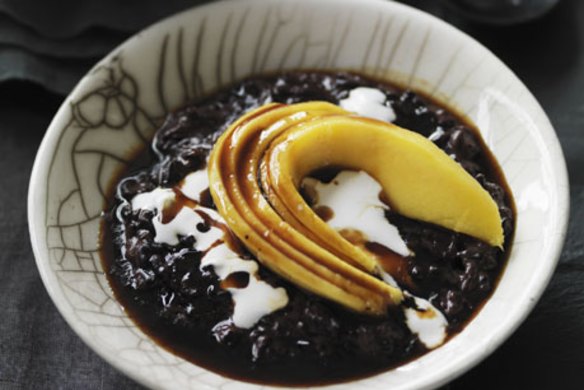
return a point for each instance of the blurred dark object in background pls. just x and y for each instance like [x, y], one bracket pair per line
[501, 12]
[488, 12]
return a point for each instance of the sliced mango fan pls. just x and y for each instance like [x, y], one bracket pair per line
[257, 165]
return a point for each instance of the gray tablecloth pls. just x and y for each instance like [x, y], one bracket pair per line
[39, 351]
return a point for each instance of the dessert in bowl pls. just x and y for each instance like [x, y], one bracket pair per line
[377, 276]
[117, 107]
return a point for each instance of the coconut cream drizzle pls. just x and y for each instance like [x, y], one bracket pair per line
[195, 183]
[368, 102]
[354, 200]
[251, 302]
[427, 322]
[157, 199]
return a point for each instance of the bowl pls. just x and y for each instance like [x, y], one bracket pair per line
[117, 106]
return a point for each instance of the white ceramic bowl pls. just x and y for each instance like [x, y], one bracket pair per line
[116, 107]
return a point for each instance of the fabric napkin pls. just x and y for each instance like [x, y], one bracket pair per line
[54, 43]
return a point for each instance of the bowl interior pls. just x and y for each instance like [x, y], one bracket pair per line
[116, 108]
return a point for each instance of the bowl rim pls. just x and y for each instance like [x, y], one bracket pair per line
[36, 210]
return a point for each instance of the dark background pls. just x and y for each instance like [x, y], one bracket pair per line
[37, 348]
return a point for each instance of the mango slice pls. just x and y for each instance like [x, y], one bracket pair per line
[419, 179]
